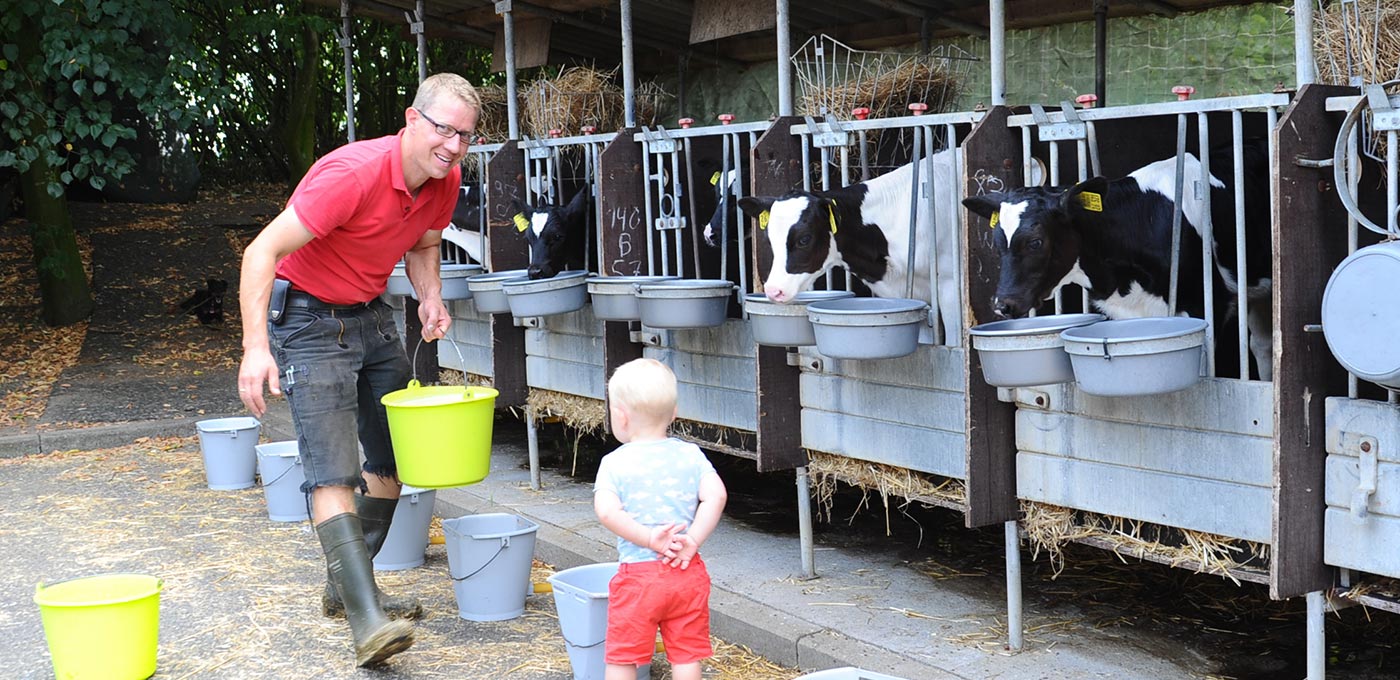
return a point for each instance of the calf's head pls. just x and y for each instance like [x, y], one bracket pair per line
[555, 234]
[467, 214]
[801, 230]
[1038, 234]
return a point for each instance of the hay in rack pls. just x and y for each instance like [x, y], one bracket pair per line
[834, 79]
[493, 125]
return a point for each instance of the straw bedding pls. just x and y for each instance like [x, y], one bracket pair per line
[826, 470]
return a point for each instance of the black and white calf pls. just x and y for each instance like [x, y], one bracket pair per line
[865, 229]
[558, 236]
[1113, 238]
[465, 229]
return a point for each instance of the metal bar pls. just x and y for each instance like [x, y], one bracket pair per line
[722, 206]
[512, 112]
[930, 194]
[345, 47]
[1317, 631]
[694, 215]
[1245, 102]
[417, 27]
[532, 439]
[1101, 51]
[1014, 624]
[1207, 226]
[1176, 214]
[896, 122]
[1303, 42]
[646, 201]
[864, 157]
[997, 22]
[1054, 182]
[1092, 135]
[804, 523]
[1353, 227]
[1082, 149]
[806, 162]
[677, 197]
[1390, 184]
[826, 186]
[629, 69]
[1241, 276]
[1027, 161]
[784, 59]
[916, 162]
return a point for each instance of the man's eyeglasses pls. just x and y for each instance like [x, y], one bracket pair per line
[446, 130]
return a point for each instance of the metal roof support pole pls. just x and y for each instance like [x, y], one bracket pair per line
[1101, 51]
[344, 39]
[415, 26]
[1303, 42]
[997, 22]
[629, 67]
[503, 8]
[784, 60]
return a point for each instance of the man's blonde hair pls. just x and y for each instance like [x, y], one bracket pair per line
[439, 85]
[646, 388]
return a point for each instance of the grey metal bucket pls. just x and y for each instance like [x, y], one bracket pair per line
[1361, 316]
[454, 280]
[1136, 357]
[486, 290]
[279, 465]
[398, 283]
[407, 542]
[581, 601]
[867, 328]
[563, 293]
[781, 324]
[685, 303]
[615, 297]
[226, 444]
[489, 558]
[1025, 352]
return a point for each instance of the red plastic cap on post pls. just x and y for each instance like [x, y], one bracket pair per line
[588, 129]
[556, 132]
[726, 118]
[686, 122]
[1087, 100]
[861, 112]
[1183, 92]
[918, 108]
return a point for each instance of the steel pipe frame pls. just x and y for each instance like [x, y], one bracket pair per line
[1243, 103]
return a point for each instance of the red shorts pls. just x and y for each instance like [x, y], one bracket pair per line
[644, 596]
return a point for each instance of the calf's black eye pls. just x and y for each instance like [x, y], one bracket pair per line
[804, 240]
[1035, 244]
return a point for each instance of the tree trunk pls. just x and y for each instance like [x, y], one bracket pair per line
[299, 133]
[63, 283]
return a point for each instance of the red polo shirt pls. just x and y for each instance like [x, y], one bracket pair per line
[354, 201]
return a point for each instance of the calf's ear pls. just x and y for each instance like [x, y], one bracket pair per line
[577, 204]
[753, 206]
[985, 205]
[1077, 195]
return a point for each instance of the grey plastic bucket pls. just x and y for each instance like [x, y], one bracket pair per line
[685, 303]
[581, 601]
[407, 541]
[846, 673]
[398, 283]
[786, 324]
[486, 290]
[1136, 357]
[615, 297]
[279, 465]
[563, 293]
[489, 558]
[867, 328]
[230, 461]
[1025, 352]
[454, 280]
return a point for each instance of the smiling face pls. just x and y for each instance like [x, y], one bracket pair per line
[427, 154]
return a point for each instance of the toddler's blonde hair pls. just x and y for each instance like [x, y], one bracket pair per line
[646, 388]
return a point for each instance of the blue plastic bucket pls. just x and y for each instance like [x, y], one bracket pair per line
[407, 542]
[279, 465]
[230, 461]
[581, 600]
[489, 558]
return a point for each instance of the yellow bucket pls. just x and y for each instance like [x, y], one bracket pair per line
[441, 434]
[102, 627]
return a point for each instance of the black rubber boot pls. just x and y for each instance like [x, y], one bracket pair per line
[377, 637]
[375, 515]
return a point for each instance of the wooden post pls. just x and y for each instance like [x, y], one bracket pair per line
[776, 168]
[993, 162]
[508, 250]
[622, 231]
[1308, 245]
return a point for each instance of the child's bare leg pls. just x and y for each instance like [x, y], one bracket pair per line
[684, 671]
[626, 672]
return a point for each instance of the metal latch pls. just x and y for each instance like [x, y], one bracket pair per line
[1366, 449]
[1383, 116]
[527, 321]
[828, 134]
[1050, 131]
[658, 141]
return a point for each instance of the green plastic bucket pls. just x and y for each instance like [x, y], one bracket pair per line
[101, 627]
[441, 434]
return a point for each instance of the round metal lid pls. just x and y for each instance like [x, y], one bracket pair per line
[1361, 313]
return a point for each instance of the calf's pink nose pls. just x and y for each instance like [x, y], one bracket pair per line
[774, 293]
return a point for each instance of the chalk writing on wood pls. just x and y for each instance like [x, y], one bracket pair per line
[987, 182]
[626, 221]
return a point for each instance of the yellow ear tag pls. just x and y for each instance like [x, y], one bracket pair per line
[763, 220]
[521, 224]
[831, 214]
[996, 218]
[1091, 201]
[714, 179]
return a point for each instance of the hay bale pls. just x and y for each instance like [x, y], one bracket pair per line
[578, 96]
[493, 125]
[887, 91]
[827, 469]
[1364, 42]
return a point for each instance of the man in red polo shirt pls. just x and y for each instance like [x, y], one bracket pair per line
[315, 330]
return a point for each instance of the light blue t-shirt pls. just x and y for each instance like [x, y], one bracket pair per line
[658, 482]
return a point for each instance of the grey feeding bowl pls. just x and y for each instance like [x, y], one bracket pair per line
[786, 325]
[454, 280]
[563, 293]
[1136, 357]
[615, 297]
[1361, 316]
[398, 282]
[487, 293]
[684, 303]
[867, 328]
[1024, 352]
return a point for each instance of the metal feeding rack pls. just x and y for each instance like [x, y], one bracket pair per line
[836, 79]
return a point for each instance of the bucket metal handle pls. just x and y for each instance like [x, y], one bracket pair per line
[291, 467]
[505, 543]
[414, 362]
